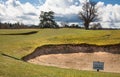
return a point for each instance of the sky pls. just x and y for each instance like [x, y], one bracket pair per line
[43, 1]
[109, 1]
[28, 11]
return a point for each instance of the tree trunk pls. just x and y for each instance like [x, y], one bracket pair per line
[86, 24]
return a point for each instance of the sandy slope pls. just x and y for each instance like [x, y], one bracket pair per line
[81, 61]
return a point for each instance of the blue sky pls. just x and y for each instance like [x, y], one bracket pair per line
[109, 1]
[42, 1]
[33, 1]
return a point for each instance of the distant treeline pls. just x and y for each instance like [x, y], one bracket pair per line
[15, 26]
[22, 26]
[63, 25]
[12, 26]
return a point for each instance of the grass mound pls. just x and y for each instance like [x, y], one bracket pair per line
[18, 46]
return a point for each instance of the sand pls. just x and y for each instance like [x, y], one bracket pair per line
[80, 61]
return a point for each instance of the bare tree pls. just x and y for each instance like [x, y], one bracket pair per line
[88, 13]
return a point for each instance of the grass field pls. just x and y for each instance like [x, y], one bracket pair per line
[19, 42]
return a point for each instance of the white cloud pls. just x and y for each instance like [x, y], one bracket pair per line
[14, 11]
[110, 15]
[61, 6]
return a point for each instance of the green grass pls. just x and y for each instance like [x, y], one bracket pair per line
[20, 45]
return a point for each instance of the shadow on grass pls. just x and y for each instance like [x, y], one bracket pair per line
[10, 56]
[27, 33]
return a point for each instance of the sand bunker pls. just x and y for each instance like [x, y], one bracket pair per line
[80, 61]
[80, 56]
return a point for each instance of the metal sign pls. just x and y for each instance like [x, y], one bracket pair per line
[98, 65]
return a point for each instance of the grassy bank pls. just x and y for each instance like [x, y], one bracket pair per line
[20, 42]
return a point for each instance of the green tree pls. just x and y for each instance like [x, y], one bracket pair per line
[88, 13]
[47, 20]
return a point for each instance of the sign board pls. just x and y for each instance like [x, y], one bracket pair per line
[98, 65]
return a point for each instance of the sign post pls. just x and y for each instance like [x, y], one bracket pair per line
[98, 65]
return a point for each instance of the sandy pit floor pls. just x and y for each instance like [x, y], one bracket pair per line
[80, 61]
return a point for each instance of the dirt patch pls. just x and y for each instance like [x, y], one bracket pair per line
[72, 48]
[77, 56]
[27, 33]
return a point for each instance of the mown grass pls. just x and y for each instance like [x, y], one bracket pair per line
[18, 46]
